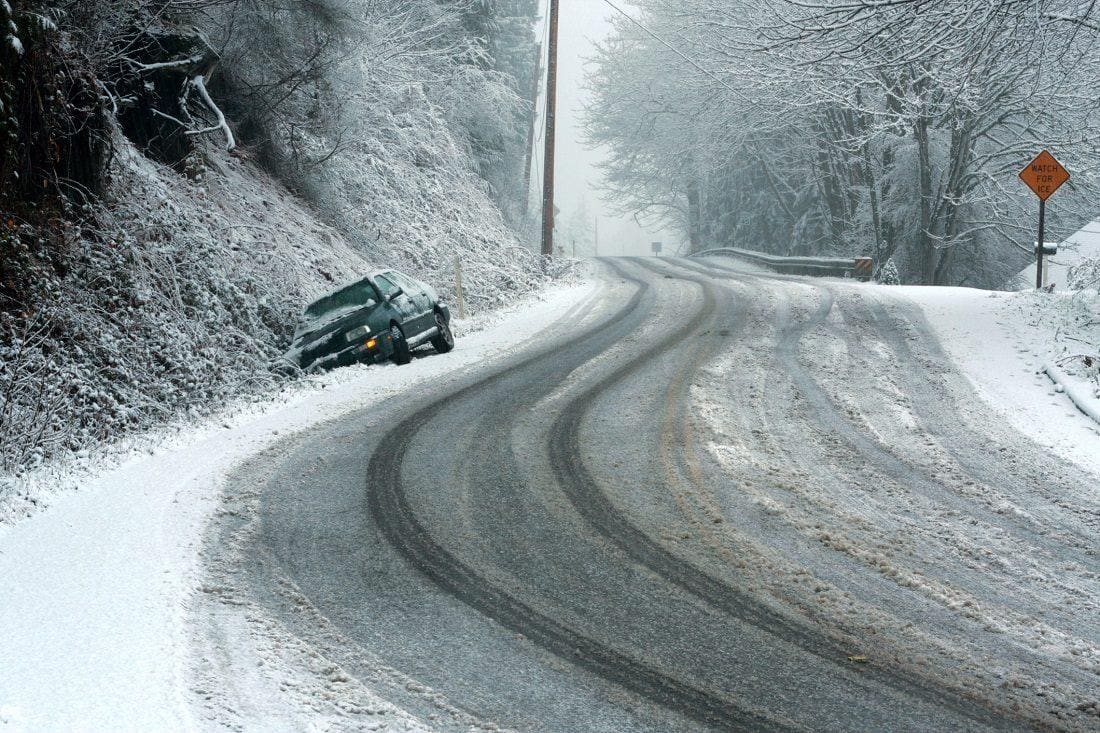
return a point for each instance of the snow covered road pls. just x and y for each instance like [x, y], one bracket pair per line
[95, 588]
[712, 498]
[688, 495]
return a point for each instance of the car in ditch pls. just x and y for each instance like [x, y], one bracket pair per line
[382, 316]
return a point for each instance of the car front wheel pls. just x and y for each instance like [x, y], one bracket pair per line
[444, 341]
[401, 354]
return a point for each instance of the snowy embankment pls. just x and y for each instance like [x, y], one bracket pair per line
[1028, 355]
[186, 297]
[94, 590]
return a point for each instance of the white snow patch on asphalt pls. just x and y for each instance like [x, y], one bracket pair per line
[1001, 342]
[93, 589]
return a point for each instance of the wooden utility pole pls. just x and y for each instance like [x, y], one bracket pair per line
[551, 114]
[536, 84]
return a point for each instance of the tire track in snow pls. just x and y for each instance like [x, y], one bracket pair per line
[390, 507]
[1008, 529]
[878, 455]
[891, 326]
[596, 507]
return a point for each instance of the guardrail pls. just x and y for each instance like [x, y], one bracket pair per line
[859, 267]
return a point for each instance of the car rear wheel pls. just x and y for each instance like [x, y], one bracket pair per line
[444, 341]
[401, 354]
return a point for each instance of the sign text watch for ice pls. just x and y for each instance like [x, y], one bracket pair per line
[1044, 176]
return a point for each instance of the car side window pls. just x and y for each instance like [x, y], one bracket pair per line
[387, 286]
[366, 295]
[406, 282]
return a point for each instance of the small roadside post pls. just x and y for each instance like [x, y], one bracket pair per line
[460, 297]
[1044, 176]
[657, 247]
[1048, 249]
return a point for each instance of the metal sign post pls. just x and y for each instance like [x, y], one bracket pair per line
[1039, 244]
[1044, 176]
[657, 247]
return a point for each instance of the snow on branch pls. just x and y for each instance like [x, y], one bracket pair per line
[200, 86]
[160, 66]
[1082, 21]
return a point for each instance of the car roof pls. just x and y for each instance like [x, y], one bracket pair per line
[360, 278]
[346, 284]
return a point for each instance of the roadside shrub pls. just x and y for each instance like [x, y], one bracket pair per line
[175, 301]
[888, 275]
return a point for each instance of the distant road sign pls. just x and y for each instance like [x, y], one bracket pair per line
[657, 246]
[1044, 175]
[863, 267]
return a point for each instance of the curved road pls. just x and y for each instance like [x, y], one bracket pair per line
[711, 499]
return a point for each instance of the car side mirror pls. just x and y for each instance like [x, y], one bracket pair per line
[397, 291]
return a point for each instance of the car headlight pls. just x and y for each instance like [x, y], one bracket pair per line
[357, 334]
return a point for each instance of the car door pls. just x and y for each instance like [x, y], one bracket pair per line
[402, 304]
[419, 294]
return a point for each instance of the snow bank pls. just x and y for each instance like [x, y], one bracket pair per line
[1087, 401]
[1074, 255]
[183, 292]
[1002, 342]
[93, 592]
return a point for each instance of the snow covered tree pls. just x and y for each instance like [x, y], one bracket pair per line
[145, 273]
[891, 131]
[578, 238]
[888, 274]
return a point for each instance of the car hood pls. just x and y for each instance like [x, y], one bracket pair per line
[311, 337]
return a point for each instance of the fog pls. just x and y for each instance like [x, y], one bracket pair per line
[582, 24]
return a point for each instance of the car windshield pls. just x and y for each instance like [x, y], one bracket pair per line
[334, 305]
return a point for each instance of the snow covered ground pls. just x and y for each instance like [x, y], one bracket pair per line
[93, 589]
[1006, 343]
[906, 476]
[1073, 257]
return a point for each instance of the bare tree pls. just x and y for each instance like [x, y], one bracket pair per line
[859, 128]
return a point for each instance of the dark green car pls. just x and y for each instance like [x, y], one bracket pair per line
[383, 316]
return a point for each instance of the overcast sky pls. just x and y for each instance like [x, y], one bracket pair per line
[583, 23]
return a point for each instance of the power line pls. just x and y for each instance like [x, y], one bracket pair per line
[672, 48]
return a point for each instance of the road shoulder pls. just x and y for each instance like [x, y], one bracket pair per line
[95, 588]
[1001, 342]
